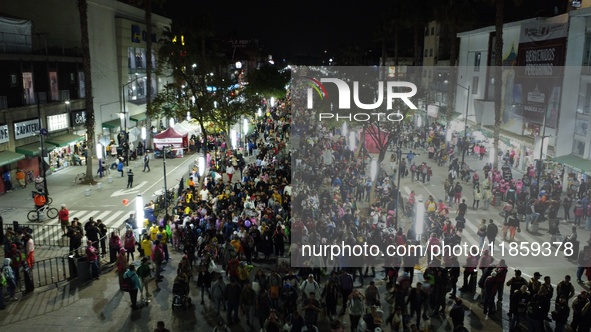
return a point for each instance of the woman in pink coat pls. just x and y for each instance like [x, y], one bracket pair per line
[518, 186]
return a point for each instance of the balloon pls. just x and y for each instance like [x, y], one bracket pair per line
[125, 201]
[247, 223]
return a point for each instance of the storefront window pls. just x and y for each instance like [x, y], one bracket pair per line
[579, 148]
[581, 127]
[584, 98]
[587, 51]
[136, 59]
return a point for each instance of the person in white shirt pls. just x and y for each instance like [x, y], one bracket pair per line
[309, 286]
[204, 194]
[230, 172]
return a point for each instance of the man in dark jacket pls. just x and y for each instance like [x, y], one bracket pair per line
[560, 314]
[518, 306]
[491, 232]
[93, 233]
[75, 234]
[233, 292]
[417, 299]
[457, 314]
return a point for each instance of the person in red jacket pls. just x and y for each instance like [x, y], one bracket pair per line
[232, 268]
[64, 218]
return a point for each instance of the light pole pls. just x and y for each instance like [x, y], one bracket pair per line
[399, 156]
[123, 101]
[42, 132]
[540, 164]
[164, 152]
[465, 121]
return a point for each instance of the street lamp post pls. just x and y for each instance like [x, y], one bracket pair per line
[540, 165]
[164, 152]
[465, 121]
[123, 101]
[465, 117]
[399, 156]
[42, 133]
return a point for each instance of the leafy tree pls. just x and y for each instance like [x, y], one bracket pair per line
[267, 81]
[194, 66]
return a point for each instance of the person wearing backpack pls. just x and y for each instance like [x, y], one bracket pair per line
[132, 283]
[309, 286]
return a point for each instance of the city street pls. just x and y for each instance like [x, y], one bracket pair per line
[554, 265]
[53, 307]
[105, 201]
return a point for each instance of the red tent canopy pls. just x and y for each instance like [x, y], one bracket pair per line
[171, 137]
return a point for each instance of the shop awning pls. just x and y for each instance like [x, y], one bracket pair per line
[9, 157]
[34, 148]
[577, 163]
[112, 124]
[138, 117]
[64, 140]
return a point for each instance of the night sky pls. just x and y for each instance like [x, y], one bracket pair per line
[308, 27]
[289, 27]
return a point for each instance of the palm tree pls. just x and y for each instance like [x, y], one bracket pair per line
[83, 11]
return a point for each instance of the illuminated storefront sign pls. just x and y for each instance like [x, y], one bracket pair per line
[3, 133]
[26, 128]
[57, 122]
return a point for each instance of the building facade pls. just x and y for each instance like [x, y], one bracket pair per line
[44, 81]
[546, 91]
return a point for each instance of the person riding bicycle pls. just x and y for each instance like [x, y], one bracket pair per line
[39, 199]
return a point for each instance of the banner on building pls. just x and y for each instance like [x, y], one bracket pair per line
[540, 61]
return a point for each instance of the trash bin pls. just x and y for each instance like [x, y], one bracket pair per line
[72, 266]
[83, 267]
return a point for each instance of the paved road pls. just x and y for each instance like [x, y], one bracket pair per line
[99, 306]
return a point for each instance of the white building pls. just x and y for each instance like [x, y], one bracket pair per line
[117, 35]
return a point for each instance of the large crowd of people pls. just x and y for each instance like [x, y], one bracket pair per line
[237, 223]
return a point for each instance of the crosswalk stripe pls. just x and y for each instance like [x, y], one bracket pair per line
[110, 218]
[102, 215]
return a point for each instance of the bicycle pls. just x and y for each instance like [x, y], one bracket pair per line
[49, 212]
[79, 178]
